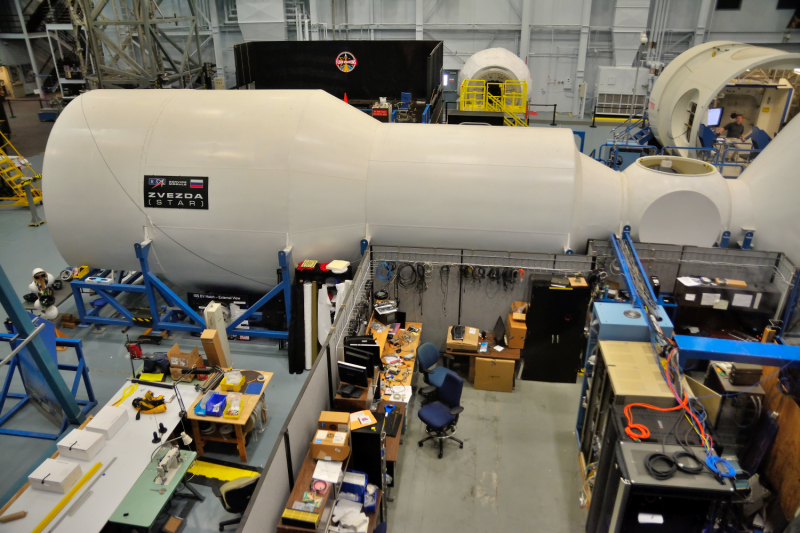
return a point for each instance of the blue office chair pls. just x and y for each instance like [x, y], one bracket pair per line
[441, 416]
[707, 138]
[428, 357]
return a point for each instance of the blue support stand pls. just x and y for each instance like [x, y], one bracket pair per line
[177, 311]
[44, 361]
[725, 239]
[81, 372]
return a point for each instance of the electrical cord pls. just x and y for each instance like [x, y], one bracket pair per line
[444, 281]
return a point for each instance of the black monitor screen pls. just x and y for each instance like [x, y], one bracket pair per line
[499, 332]
[353, 374]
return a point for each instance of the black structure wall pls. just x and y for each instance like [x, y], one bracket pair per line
[383, 68]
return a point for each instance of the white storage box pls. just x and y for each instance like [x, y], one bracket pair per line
[108, 421]
[81, 444]
[54, 475]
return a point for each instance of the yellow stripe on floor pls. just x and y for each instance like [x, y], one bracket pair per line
[223, 473]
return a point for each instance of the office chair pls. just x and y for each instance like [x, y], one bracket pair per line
[427, 357]
[441, 416]
[234, 496]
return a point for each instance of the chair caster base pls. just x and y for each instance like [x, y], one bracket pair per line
[440, 456]
[460, 445]
[420, 444]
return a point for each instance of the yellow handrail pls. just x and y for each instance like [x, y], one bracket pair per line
[14, 178]
[509, 97]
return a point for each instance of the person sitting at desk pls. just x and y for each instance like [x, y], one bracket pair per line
[734, 132]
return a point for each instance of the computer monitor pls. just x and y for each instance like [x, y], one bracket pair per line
[714, 116]
[354, 357]
[499, 332]
[353, 374]
[370, 357]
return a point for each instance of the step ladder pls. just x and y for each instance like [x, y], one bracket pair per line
[15, 173]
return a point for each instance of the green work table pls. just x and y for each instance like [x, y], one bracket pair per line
[143, 503]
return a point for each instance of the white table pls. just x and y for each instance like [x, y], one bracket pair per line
[132, 446]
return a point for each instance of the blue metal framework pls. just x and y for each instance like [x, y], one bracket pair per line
[177, 311]
[760, 353]
[426, 114]
[81, 372]
[709, 348]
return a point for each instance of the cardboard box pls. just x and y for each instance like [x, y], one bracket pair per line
[634, 374]
[215, 354]
[81, 444]
[108, 421]
[334, 421]
[55, 475]
[330, 445]
[179, 360]
[516, 331]
[494, 374]
[468, 344]
[519, 311]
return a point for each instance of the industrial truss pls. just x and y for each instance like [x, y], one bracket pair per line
[130, 48]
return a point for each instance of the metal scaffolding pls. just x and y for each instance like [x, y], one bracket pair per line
[130, 47]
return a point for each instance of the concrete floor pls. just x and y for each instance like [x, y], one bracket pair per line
[518, 470]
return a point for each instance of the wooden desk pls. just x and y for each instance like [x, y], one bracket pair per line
[249, 404]
[393, 443]
[507, 353]
[303, 484]
[388, 349]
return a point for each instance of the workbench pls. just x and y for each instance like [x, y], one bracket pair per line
[249, 402]
[132, 448]
[303, 484]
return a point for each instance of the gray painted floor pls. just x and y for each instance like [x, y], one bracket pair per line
[518, 470]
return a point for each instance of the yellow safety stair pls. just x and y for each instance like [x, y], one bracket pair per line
[15, 178]
[509, 97]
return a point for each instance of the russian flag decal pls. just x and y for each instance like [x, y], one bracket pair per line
[196, 184]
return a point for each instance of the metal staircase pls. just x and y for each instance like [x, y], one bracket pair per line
[509, 97]
[15, 173]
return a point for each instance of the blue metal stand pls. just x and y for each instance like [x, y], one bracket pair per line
[81, 372]
[45, 364]
[176, 311]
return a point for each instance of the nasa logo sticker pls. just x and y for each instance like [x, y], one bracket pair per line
[176, 192]
[346, 62]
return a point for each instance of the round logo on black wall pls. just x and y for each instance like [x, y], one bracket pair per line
[346, 62]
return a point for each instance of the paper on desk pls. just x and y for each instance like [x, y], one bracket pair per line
[709, 298]
[499, 348]
[404, 391]
[344, 507]
[361, 419]
[689, 282]
[329, 471]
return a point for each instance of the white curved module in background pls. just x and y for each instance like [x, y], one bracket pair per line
[495, 65]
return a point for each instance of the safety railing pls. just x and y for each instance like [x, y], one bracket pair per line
[699, 149]
[612, 160]
[508, 97]
[473, 95]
